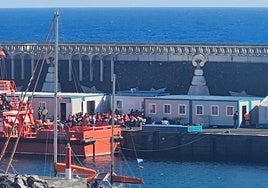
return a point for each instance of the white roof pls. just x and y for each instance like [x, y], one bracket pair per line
[264, 101]
[201, 97]
[51, 94]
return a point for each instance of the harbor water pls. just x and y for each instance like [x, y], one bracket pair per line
[162, 173]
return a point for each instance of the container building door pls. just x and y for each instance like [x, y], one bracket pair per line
[244, 110]
[63, 116]
[90, 107]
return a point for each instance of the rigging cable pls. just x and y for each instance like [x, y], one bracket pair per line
[27, 110]
[135, 151]
[166, 149]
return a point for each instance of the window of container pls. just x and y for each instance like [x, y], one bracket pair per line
[182, 109]
[214, 110]
[229, 110]
[152, 108]
[199, 109]
[167, 109]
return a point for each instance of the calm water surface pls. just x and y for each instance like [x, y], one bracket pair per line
[163, 173]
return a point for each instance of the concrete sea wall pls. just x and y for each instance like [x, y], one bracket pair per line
[145, 66]
[247, 145]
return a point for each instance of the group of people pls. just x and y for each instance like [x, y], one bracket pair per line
[133, 119]
[246, 119]
[4, 103]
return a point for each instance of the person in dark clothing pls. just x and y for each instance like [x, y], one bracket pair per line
[235, 118]
[5, 102]
[39, 113]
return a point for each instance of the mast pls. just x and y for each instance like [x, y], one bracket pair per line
[55, 142]
[112, 139]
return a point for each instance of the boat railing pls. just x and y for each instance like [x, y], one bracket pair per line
[47, 125]
[87, 127]
[7, 86]
[29, 134]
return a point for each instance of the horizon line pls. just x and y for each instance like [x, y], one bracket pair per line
[138, 7]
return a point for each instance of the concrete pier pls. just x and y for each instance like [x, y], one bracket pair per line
[232, 145]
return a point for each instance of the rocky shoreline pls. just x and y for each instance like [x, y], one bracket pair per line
[23, 181]
[34, 181]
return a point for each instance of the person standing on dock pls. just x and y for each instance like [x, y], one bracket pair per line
[247, 119]
[44, 113]
[235, 118]
[39, 112]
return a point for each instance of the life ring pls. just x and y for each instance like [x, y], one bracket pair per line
[198, 60]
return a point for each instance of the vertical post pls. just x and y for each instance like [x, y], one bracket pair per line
[101, 68]
[91, 69]
[22, 67]
[112, 67]
[112, 139]
[55, 142]
[70, 69]
[12, 67]
[68, 170]
[80, 69]
[94, 151]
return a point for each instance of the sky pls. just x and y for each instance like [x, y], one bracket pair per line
[130, 3]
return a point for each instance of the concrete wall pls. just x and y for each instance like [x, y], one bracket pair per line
[200, 146]
[227, 66]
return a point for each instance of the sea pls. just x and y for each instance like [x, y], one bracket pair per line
[147, 25]
[143, 25]
[158, 173]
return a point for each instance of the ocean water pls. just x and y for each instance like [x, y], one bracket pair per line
[154, 25]
[173, 174]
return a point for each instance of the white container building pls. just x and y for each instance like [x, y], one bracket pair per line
[208, 111]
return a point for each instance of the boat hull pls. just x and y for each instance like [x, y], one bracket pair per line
[85, 142]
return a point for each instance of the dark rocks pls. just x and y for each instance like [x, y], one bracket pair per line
[22, 181]
[5, 182]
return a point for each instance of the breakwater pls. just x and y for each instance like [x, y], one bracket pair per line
[231, 145]
[86, 67]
